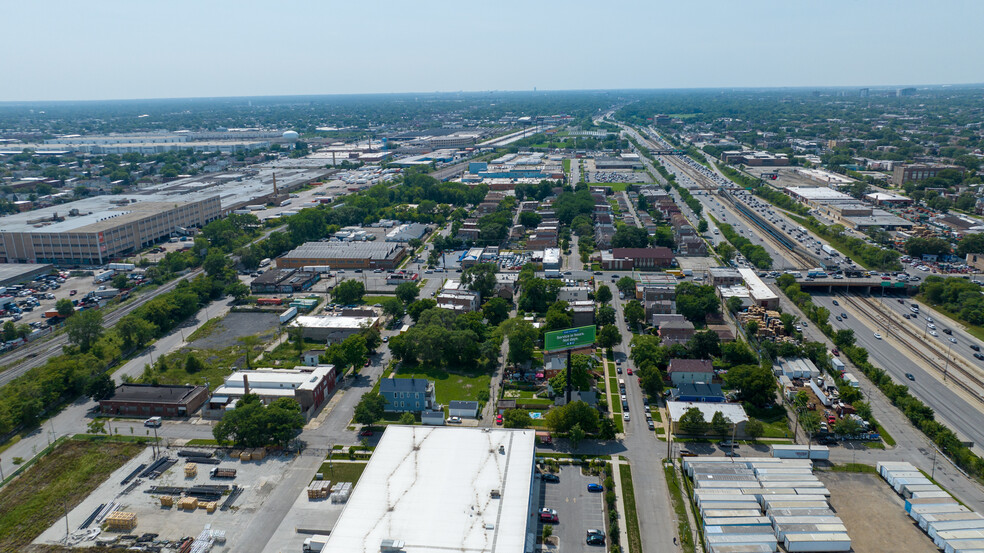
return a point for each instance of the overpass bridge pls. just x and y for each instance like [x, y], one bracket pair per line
[798, 253]
[864, 285]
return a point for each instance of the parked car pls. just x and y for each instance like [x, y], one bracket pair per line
[454, 420]
[548, 515]
[498, 419]
[595, 487]
[550, 477]
[595, 537]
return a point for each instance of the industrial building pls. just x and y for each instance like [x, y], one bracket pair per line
[903, 174]
[284, 280]
[723, 276]
[310, 386]
[442, 488]
[96, 230]
[624, 259]
[146, 400]
[332, 329]
[407, 232]
[345, 255]
[13, 273]
[758, 291]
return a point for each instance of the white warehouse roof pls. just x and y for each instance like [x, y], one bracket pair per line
[758, 289]
[733, 411]
[431, 487]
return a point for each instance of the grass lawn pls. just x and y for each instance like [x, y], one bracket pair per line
[373, 300]
[680, 508]
[773, 419]
[285, 354]
[631, 516]
[457, 386]
[219, 363]
[203, 441]
[342, 472]
[33, 502]
[615, 186]
[889, 440]
[567, 166]
[854, 467]
[206, 329]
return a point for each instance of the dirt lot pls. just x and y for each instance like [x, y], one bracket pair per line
[874, 514]
[235, 325]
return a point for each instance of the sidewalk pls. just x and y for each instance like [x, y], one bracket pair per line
[623, 535]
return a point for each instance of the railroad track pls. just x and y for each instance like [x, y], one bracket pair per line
[909, 338]
[37, 353]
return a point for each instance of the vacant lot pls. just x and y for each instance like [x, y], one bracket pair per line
[452, 386]
[37, 499]
[873, 514]
[236, 325]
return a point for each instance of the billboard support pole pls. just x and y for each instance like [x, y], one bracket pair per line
[568, 376]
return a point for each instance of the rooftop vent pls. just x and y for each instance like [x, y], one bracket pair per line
[391, 546]
[496, 494]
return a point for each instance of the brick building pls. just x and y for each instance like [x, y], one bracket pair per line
[154, 401]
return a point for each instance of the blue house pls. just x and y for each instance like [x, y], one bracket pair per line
[408, 394]
[700, 392]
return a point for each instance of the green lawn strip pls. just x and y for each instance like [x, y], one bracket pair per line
[59, 480]
[854, 467]
[618, 425]
[680, 508]
[100, 438]
[206, 329]
[549, 455]
[886, 437]
[977, 331]
[631, 516]
[202, 441]
[373, 300]
[456, 386]
[342, 472]
[567, 166]
[615, 186]
[774, 420]
[16, 438]
[656, 413]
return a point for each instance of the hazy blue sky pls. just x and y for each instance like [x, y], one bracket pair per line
[71, 49]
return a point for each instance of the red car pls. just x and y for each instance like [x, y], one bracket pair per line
[366, 433]
[73, 292]
[835, 351]
[368, 361]
[548, 515]
[628, 372]
[498, 419]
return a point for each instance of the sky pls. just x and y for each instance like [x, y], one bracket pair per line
[124, 49]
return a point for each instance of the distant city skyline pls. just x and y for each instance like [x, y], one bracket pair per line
[115, 49]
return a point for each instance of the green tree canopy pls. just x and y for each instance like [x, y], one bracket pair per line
[84, 328]
[692, 422]
[407, 292]
[348, 292]
[370, 409]
[755, 384]
[562, 419]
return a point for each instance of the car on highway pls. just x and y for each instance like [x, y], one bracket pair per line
[844, 316]
[838, 317]
[931, 326]
[595, 487]
[975, 347]
[952, 340]
[910, 377]
[933, 333]
[979, 356]
[878, 336]
[946, 331]
[550, 477]
[835, 302]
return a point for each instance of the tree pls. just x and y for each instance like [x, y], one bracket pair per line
[606, 429]
[193, 364]
[863, 410]
[626, 285]
[516, 418]
[496, 310]
[558, 317]
[530, 219]
[522, 341]
[217, 265]
[846, 426]
[244, 425]
[370, 409]
[696, 302]
[419, 306]
[726, 251]
[702, 226]
[630, 237]
[605, 315]
[801, 400]
[407, 418]
[754, 429]
[64, 307]
[970, 243]
[392, 307]
[120, 281]
[752, 327]
[248, 343]
[844, 338]
[135, 331]
[283, 420]
[704, 345]
[580, 378]
[810, 421]
[609, 336]
[348, 292]
[575, 435]
[481, 278]
[603, 294]
[407, 292]
[634, 313]
[562, 419]
[692, 422]
[237, 290]
[84, 328]
[100, 386]
[650, 378]
[734, 304]
[755, 384]
[720, 424]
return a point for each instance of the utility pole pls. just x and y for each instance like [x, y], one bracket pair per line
[67, 530]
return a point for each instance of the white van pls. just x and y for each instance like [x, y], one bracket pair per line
[153, 422]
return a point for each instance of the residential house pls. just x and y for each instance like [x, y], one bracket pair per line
[408, 394]
[690, 371]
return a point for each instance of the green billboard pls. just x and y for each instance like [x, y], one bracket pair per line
[571, 338]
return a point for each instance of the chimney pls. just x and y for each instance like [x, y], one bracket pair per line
[274, 185]
[246, 384]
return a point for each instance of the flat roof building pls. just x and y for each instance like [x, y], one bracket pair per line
[723, 276]
[345, 255]
[146, 400]
[758, 291]
[332, 329]
[12, 273]
[439, 488]
[733, 411]
[310, 386]
[284, 280]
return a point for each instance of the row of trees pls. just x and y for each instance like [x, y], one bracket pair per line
[754, 253]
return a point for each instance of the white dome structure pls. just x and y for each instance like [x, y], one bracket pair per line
[291, 136]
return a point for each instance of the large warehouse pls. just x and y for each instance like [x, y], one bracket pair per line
[441, 488]
[345, 255]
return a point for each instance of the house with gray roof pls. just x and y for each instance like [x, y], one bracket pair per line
[408, 394]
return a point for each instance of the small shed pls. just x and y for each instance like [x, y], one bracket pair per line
[504, 405]
[463, 409]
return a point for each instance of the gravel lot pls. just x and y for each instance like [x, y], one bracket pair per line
[236, 325]
[873, 514]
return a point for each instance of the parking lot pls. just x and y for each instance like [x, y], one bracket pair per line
[577, 508]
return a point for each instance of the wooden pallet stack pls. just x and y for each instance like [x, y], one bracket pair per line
[319, 489]
[167, 501]
[121, 521]
[191, 470]
[189, 503]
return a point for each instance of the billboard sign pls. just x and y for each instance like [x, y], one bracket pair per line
[571, 338]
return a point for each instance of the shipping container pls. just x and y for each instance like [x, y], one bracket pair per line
[908, 489]
[103, 277]
[741, 548]
[934, 528]
[784, 520]
[792, 529]
[269, 301]
[964, 546]
[738, 521]
[800, 452]
[121, 266]
[715, 513]
[286, 316]
[316, 268]
[919, 511]
[776, 513]
[946, 517]
[799, 543]
[947, 536]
